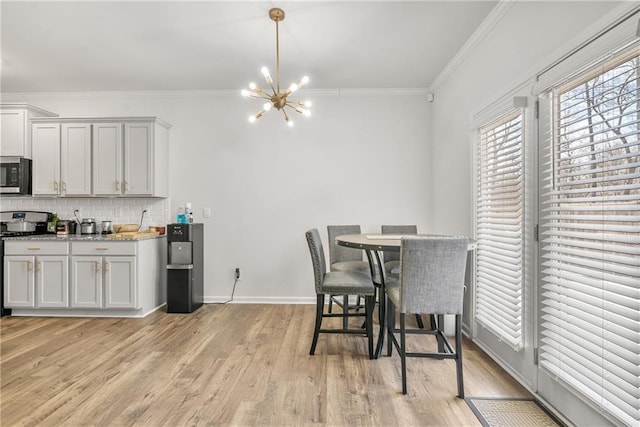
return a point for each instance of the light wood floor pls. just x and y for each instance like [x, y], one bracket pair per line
[235, 364]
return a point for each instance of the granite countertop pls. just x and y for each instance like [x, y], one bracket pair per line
[81, 237]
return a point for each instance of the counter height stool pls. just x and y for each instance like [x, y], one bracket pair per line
[392, 259]
[431, 281]
[345, 259]
[338, 283]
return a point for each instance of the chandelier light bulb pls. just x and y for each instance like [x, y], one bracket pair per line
[272, 96]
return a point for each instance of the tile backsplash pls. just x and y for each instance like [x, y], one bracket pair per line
[118, 210]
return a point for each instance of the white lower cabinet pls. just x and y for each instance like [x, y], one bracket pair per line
[19, 280]
[85, 277]
[103, 275]
[86, 281]
[111, 277]
[52, 281]
[120, 282]
[36, 274]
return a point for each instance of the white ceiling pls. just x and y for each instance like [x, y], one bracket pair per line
[161, 45]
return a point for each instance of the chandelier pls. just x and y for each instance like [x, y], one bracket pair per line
[279, 100]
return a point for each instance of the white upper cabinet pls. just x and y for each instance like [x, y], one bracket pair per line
[46, 159]
[107, 159]
[61, 159]
[103, 157]
[15, 131]
[75, 158]
[139, 159]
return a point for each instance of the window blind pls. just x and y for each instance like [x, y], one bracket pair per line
[590, 236]
[499, 228]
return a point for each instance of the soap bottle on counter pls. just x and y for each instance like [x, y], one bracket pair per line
[188, 213]
[181, 217]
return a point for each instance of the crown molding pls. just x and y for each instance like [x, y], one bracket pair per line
[494, 17]
[26, 97]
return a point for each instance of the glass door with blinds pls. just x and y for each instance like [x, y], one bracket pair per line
[589, 249]
[504, 233]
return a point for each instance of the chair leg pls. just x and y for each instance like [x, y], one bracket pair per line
[403, 353]
[316, 332]
[419, 321]
[345, 312]
[459, 356]
[330, 303]
[391, 324]
[369, 304]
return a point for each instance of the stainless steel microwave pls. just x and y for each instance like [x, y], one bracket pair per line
[15, 175]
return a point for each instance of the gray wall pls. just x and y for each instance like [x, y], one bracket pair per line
[363, 157]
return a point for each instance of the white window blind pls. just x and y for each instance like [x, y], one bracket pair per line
[499, 227]
[590, 236]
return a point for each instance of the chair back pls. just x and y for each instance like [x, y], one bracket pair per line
[339, 253]
[432, 274]
[397, 229]
[317, 257]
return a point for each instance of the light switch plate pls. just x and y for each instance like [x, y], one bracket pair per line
[206, 212]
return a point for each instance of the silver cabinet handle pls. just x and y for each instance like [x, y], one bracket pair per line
[29, 265]
[117, 185]
[97, 266]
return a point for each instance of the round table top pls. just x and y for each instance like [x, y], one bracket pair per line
[382, 242]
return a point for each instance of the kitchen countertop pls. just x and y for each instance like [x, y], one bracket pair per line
[81, 237]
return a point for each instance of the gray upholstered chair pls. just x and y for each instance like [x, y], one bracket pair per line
[338, 283]
[342, 258]
[392, 259]
[431, 281]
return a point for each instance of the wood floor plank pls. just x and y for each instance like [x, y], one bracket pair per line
[237, 364]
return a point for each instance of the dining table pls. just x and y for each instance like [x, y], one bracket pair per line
[374, 245]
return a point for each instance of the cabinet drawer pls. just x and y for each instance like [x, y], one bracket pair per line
[35, 247]
[103, 248]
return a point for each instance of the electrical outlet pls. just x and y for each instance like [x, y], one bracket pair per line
[237, 273]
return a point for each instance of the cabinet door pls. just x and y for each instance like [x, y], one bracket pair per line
[46, 159]
[107, 159]
[120, 282]
[138, 159]
[52, 281]
[75, 157]
[86, 281]
[19, 280]
[12, 133]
